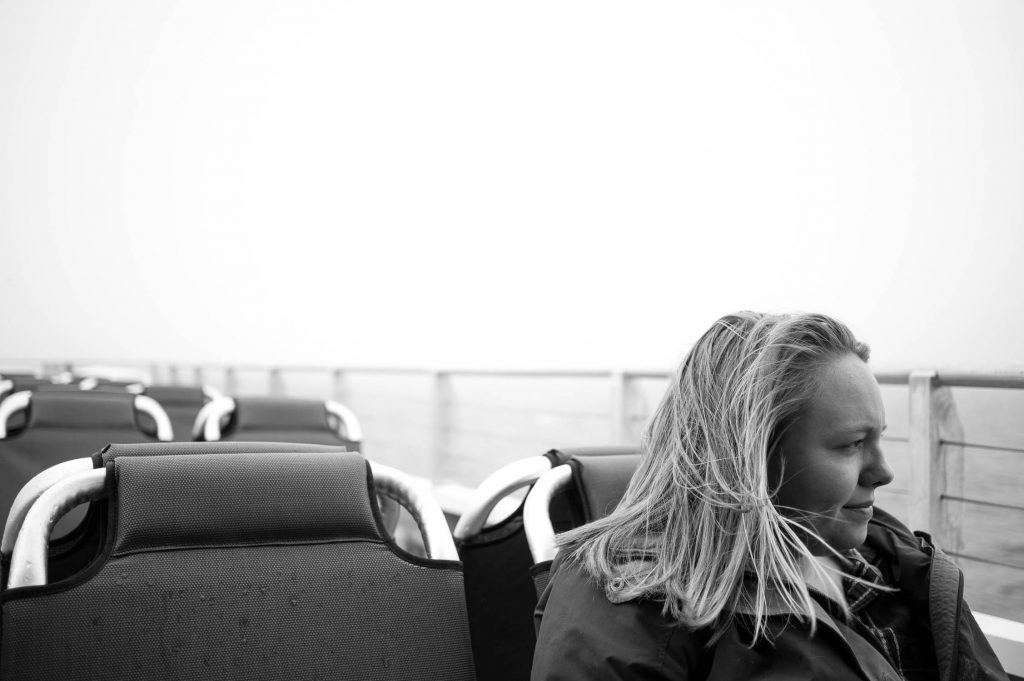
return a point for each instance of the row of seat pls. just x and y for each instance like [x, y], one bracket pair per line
[41, 428]
[273, 560]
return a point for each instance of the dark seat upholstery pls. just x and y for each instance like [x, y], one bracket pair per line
[71, 553]
[282, 419]
[500, 594]
[182, 404]
[247, 566]
[63, 425]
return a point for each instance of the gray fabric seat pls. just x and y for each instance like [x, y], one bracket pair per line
[63, 425]
[242, 565]
[182, 404]
[283, 419]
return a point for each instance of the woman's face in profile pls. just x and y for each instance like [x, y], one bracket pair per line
[832, 461]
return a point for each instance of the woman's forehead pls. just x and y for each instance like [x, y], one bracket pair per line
[847, 396]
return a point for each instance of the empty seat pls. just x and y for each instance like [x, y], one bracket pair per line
[58, 426]
[240, 565]
[577, 492]
[182, 404]
[500, 594]
[71, 553]
[278, 419]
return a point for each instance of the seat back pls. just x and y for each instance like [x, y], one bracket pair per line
[240, 565]
[582, 490]
[182, 404]
[278, 419]
[63, 425]
[71, 553]
[500, 594]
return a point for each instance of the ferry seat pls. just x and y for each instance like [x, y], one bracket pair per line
[182, 404]
[278, 419]
[41, 429]
[500, 594]
[71, 553]
[239, 565]
[582, 490]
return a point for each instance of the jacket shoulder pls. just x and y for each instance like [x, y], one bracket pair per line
[584, 635]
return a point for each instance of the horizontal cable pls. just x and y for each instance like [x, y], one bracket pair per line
[988, 561]
[979, 502]
[994, 448]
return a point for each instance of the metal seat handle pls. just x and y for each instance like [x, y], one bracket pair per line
[496, 487]
[540, 533]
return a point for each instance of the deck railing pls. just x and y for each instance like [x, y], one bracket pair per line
[956, 439]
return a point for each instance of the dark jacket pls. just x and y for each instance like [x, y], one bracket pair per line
[584, 635]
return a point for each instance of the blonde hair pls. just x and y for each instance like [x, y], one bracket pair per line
[699, 510]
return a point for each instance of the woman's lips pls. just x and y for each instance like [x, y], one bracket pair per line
[865, 510]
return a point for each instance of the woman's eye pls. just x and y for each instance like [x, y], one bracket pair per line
[855, 445]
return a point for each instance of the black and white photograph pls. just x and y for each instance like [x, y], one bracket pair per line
[537, 341]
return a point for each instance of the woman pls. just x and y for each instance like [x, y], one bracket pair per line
[747, 544]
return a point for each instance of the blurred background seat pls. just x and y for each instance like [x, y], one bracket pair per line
[57, 426]
[278, 419]
[182, 404]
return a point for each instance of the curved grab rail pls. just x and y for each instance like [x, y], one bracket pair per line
[211, 393]
[540, 534]
[207, 423]
[11, 405]
[147, 405]
[28, 559]
[32, 490]
[496, 487]
[425, 510]
[353, 431]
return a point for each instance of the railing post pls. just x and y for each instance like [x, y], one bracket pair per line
[230, 381]
[197, 375]
[275, 382]
[933, 419]
[441, 398]
[172, 375]
[338, 387]
[618, 407]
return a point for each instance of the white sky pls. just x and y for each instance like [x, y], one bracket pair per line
[558, 184]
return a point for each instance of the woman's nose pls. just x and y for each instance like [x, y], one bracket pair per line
[877, 472]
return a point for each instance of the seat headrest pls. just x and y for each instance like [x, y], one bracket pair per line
[176, 394]
[601, 481]
[562, 455]
[113, 451]
[272, 413]
[82, 409]
[173, 501]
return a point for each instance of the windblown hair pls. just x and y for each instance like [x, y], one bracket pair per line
[699, 510]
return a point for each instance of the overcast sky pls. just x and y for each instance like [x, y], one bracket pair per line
[513, 185]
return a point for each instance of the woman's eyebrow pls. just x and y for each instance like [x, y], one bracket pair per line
[860, 428]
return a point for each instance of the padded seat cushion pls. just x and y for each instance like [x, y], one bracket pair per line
[114, 451]
[82, 410]
[258, 413]
[238, 499]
